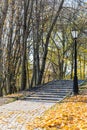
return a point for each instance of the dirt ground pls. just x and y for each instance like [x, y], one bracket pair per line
[13, 97]
[5, 100]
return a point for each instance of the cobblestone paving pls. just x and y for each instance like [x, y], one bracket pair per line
[15, 115]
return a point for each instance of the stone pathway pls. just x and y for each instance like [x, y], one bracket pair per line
[14, 116]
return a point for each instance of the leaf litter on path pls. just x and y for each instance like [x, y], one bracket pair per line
[71, 114]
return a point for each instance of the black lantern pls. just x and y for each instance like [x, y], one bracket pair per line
[75, 80]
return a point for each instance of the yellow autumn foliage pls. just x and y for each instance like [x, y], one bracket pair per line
[68, 115]
[14, 95]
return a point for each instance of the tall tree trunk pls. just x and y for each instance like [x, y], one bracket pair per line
[47, 42]
[36, 44]
[23, 77]
[2, 20]
[26, 30]
[84, 67]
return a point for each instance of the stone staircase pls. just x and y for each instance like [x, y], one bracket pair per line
[53, 91]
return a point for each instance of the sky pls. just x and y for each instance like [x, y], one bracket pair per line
[73, 2]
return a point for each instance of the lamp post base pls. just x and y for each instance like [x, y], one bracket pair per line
[75, 85]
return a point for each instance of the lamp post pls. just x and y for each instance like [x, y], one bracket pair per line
[75, 80]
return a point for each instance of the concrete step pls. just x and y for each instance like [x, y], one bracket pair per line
[43, 98]
[56, 87]
[57, 91]
[46, 101]
[47, 96]
[35, 95]
[68, 82]
[53, 86]
[59, 85]
[64, 82]
[60, 82]
[54, 91]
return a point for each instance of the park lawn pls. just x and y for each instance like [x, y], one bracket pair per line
[71, 114]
